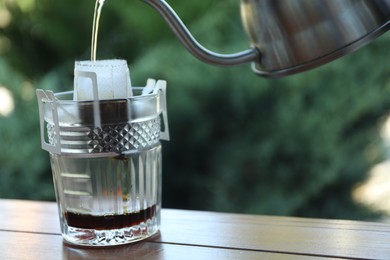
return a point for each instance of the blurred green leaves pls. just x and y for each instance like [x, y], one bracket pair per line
[240, 143]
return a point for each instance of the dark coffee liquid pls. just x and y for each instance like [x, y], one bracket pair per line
[106, 222]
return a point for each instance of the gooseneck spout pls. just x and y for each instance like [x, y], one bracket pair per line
[193, 46]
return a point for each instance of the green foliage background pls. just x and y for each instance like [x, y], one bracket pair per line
[240, 143]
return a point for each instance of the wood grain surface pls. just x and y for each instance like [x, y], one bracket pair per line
[30, 230]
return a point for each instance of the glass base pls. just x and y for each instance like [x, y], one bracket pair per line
[112, 237]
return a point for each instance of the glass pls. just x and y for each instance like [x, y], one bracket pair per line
[108, 200]
[107, 177]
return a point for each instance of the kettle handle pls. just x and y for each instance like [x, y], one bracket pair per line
[195, 47]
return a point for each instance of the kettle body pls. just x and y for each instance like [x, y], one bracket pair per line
[293, 36]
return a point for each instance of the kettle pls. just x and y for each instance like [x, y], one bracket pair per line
[289, 37]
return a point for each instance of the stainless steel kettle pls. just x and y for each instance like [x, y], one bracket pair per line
[292, 36]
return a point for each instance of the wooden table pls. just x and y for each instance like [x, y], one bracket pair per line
[30, 230]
